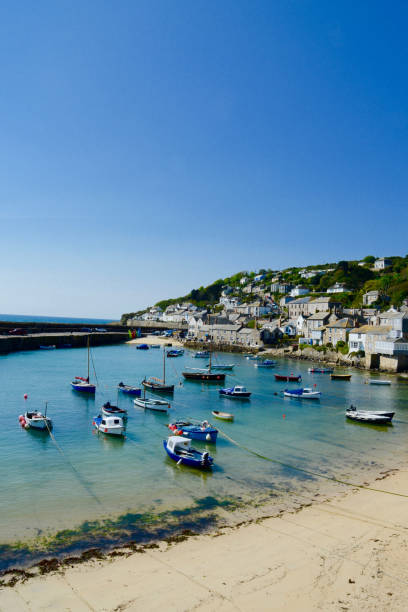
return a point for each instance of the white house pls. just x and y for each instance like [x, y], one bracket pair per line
[338, 288]
[382, 263]
[243, 280]
[299, 290]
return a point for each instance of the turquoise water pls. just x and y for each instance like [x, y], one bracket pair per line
[45, 488]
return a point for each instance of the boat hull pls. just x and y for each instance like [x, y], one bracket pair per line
[313, 396]
[149, 405]
[379, 382]
[370, 419]
[340, 376]
[281, 377]
[207, 377]
[235, 395]
[157, 387]
[130, 391]
[209, 434]
[85, 388]
[191, 461]
[223, 416]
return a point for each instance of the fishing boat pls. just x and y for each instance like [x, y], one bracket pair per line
[47, 347]
[204, 374]
[142, 347]
[179, 449]
[175, 353]
[305, 393]
[340, 376]
[237, 392]
[158, 384]
[266, 363]
[196, 431]
[35, 420]
[82, 384]
[288, 378]
[320, 370]
[151, 404]
[222, 366]
[224, 416]
[110, 425]
[373, 381]
[109, 410]
[129, 390]
[201, 354]
[375, 417]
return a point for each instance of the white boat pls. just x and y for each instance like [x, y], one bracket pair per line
[364, 415]
[201, 354]
[35, 420]
[110, 425]
[225, 416]
[373, 381]
[306, 393]
[152, 404]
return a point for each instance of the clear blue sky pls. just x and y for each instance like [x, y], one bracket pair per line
[150, 147]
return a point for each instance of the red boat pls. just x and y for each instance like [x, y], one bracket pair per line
[286, 378]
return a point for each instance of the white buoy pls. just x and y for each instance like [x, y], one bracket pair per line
[208, 438]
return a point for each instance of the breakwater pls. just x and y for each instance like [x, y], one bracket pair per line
[69, 339]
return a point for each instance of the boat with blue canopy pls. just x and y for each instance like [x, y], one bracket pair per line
[179, 450]
[266, 363]
[237, 392]
[305, 393]
[142, 347]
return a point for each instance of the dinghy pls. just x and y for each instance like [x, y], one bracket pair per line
[109, 410]
[365, 416]
[152, 404]
[375, 413]
[129, 390]
[110, 425]
[179, 449]
[196, 431]
[224, 416]
[237, 392]
[373, 381]
[201, 354]
[320, 370]
[222, 366]
[340, 376]
[142, 347]
[305, 393]
[175, 353]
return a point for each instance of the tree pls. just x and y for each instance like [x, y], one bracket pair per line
[369, 259]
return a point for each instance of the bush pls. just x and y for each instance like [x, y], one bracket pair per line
[342, 347]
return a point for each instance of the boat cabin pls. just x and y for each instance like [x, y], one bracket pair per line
[110, 420]
[178, 444]
[239, 389]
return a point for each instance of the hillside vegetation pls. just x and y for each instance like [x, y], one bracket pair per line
[392, 283]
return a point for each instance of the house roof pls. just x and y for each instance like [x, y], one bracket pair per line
[393, 315]
[304, 300]
[319, 316]
[341, 323]
[371, 329]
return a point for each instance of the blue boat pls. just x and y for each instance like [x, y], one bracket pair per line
[83, 385]
[179, 449]
[129, 390]
[238, 392]
[175, 353]
[142, 347]
[196, 431]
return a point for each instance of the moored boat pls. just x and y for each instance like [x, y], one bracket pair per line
[109, 410]
[152, 404]
[196, 431]
[237, 392]
[47, 347]
[266, 363]
[374, 417]
[203, 375]
[175, 353]
[82, 384]
[305, 393]
[35, 420]
[288, 378]
[110, 425]
[142, 347]
[201, 354]
[224, 416]
[320, 370]
[222, 366]
[373, 381]
[387, 413]
[129, 390]
[340, 376]
[179, 449]
[158, 384]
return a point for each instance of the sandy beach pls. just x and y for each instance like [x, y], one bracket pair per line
[155, 340]
[349, 553]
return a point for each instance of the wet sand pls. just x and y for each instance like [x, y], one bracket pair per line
[349, 553]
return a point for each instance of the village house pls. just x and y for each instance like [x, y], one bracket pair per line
[218, 333]
[230, 302]
[364, 338]
[382, 263]
[338, 288]
[337, 331]
[370, 297]
[285, 300]
[248, 288]
[249, 337]
[314, 322]
[278, 287]
[322, 304]
[398, 321]
[299, 290]
[299, 306]
[243, 280]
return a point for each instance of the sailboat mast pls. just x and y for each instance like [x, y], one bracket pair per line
[164, 365]
[88, 358]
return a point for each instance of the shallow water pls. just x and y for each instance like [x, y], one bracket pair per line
[48, 486]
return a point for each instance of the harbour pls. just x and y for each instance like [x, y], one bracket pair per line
[79, 489]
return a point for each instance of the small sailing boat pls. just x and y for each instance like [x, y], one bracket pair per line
[157, 384]
[196, 431]
[129, 390]
[82, 384]
[266, 363]
[203, 374]
[179, 449]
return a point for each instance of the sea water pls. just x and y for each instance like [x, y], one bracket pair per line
[277, 451]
